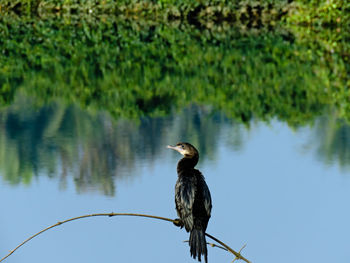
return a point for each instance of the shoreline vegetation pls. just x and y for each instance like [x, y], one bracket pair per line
[248, 59]
[333, 13]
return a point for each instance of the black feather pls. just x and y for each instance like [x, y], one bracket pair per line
[193, 201]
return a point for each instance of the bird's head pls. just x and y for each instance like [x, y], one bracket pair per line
[186, 149]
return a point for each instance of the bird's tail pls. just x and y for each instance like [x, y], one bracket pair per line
[198, 244]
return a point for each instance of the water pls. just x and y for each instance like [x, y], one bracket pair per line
[88, 107]
[271, 188]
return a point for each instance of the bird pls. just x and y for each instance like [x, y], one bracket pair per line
[192, 199]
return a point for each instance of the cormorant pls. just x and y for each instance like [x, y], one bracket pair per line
[192, 199]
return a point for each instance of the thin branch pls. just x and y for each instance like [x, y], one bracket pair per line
[237, 254]
[215, 245]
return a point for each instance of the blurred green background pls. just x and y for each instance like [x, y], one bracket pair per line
[71, 69]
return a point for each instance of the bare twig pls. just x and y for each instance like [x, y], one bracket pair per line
[215, 245]
[237, 254]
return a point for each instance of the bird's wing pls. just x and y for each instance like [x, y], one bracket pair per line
[205, 193]
[185, 192]
[207, 199]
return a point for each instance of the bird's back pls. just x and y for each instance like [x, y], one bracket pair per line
[192, 199]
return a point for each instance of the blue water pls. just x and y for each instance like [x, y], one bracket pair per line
[272, 193]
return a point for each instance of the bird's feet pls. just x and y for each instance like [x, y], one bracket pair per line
[178, 222]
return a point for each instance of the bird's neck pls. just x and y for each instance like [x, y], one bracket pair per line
[187, 163]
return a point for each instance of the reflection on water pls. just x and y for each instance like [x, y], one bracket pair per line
[332, 135]
[94, 100]
[136, 83]
[60, 140]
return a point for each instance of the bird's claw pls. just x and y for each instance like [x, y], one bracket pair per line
[178, 222]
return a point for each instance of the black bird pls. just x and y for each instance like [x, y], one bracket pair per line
[192, 199]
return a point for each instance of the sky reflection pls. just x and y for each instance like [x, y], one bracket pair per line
[59, 140]
[269, 195]
[269, 188]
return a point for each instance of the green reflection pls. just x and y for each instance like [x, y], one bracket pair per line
[333, 140]
[60, 140]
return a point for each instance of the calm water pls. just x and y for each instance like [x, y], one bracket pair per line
[281, 191]
[88, 106]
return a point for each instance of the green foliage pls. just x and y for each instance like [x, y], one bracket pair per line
[335, 13]
[245, 12]
[315, 12]
[134, 69]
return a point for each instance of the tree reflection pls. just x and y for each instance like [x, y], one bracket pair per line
[60, 140]
[333, 140]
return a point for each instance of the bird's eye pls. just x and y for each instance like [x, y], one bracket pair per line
[182, 146]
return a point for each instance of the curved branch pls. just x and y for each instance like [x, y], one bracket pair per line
[238, 255]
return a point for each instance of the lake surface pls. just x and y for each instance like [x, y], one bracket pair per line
[274, 188]
[88, 110]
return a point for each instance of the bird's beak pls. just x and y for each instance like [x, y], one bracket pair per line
[176, 148]
[172, 147]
